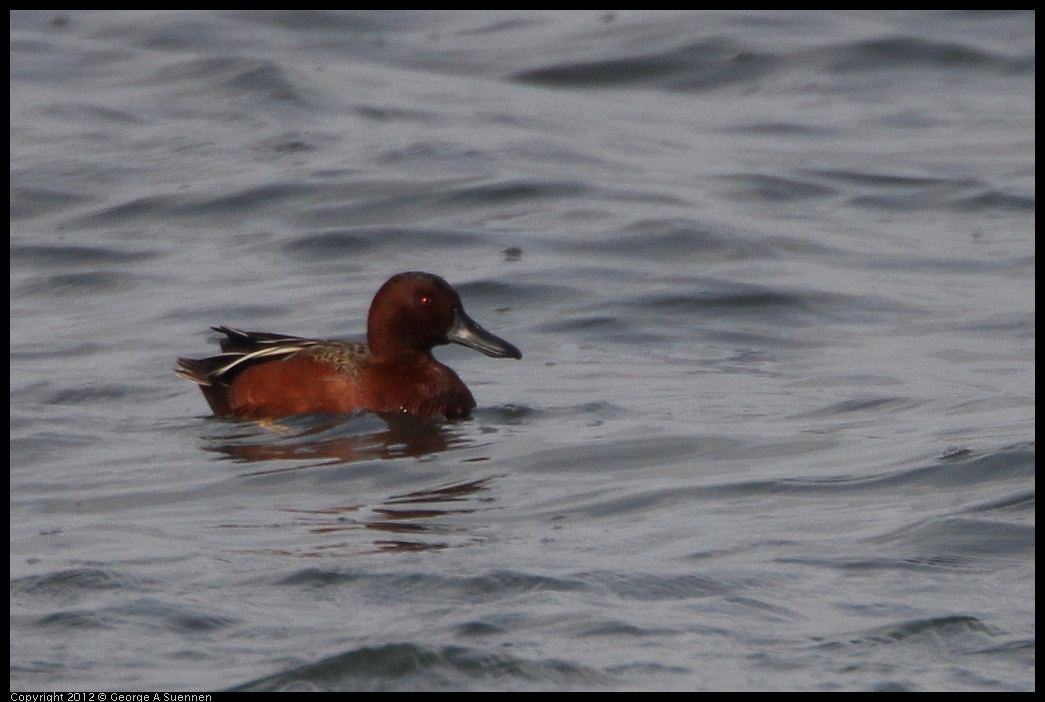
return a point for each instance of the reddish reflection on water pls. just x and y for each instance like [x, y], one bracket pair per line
[414, 521]
[330, 442]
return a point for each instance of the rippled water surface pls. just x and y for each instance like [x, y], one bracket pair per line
[772, 275]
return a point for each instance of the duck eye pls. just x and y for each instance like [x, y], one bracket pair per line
[426, 300]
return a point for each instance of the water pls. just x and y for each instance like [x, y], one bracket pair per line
[772, 274]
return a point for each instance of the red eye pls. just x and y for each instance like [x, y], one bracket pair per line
[426, 300]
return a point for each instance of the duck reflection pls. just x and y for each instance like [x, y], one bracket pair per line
[338, 441]
[414, 521]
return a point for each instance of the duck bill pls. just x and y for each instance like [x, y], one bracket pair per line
[467, 332]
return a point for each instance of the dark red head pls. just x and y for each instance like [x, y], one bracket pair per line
[417, 311]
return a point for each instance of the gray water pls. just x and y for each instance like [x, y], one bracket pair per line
[772, 275]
